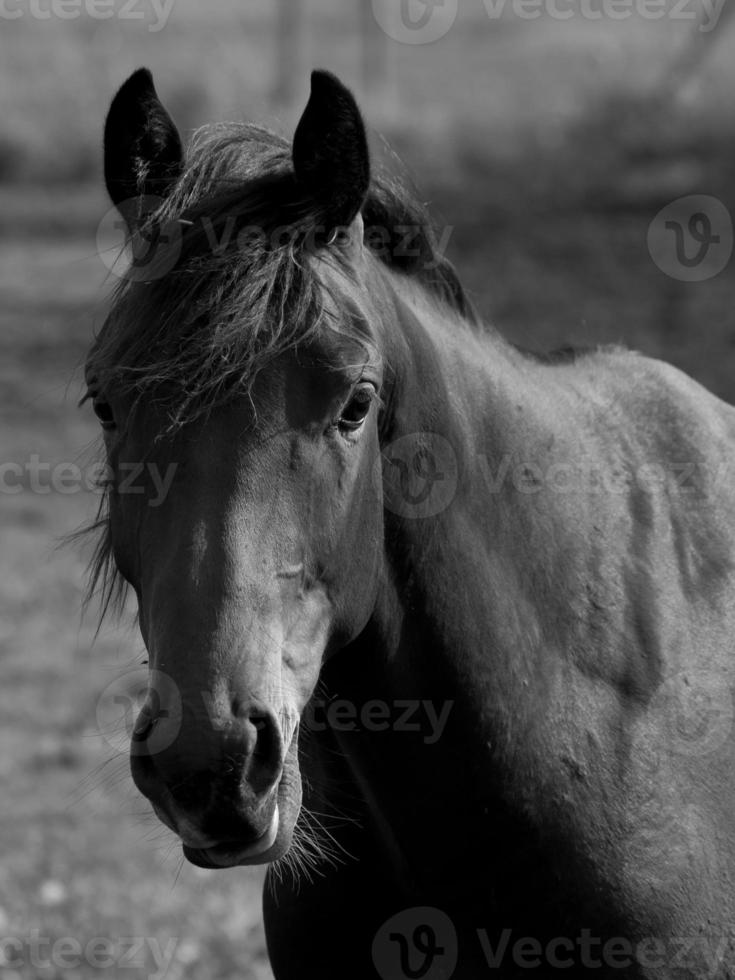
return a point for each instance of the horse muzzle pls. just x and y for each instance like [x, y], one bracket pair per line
[213, 782]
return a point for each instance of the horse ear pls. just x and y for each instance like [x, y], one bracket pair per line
[143, 155]
[330, 151]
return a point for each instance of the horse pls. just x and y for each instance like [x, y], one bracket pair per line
[438, 630]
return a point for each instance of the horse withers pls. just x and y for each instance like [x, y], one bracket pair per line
[439, 630]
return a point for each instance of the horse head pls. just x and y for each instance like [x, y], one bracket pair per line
[244, 361]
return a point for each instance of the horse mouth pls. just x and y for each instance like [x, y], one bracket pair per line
[229, 854]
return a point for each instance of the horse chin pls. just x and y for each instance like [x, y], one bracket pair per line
[274, 843]
[229, 854]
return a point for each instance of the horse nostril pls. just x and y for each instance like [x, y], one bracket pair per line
[263, 750]
[265, 758]
[266, 733]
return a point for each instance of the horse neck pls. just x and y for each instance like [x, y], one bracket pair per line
[456, 594]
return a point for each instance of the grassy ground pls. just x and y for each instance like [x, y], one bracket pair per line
[547, 155]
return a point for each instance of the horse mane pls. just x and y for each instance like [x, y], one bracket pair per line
[213, 307]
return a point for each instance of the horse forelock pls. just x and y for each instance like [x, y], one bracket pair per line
[248, 278]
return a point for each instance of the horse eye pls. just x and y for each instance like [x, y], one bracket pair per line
[104, 413]
[356, 410]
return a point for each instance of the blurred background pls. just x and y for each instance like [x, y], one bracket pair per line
[546, 136]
